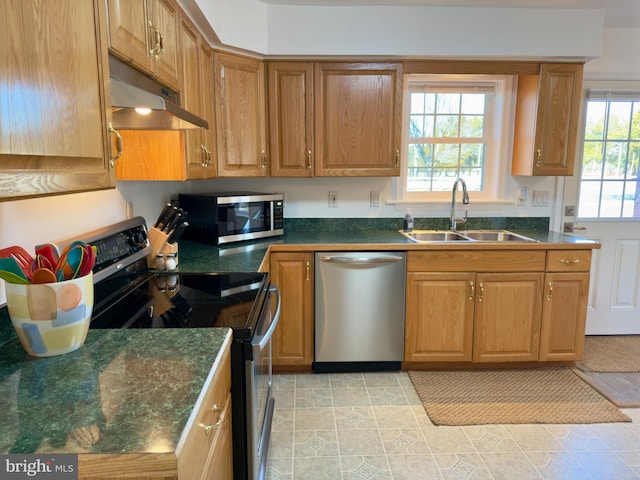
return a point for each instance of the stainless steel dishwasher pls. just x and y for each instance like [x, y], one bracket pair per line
[359, 312]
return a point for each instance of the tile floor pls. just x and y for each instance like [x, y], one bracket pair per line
[373, 426]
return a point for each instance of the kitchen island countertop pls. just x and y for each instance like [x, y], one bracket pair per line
[123, 392]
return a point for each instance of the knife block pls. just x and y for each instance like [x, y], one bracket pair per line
[158, 240]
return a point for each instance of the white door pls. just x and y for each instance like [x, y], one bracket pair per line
[609, 208]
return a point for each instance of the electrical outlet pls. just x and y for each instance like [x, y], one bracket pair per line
[374, 198]
[333, 199]
[521, 196]
[569, 210]
[540, 198]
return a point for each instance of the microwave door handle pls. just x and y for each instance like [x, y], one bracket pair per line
[276, 316]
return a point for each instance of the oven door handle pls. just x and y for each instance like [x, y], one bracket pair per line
[276, 316]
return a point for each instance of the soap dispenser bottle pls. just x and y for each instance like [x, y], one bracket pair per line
[407, 224]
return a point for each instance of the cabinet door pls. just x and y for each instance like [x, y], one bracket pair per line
[564, 314]
[197, 97]
[220, 462]
[508, 313]
[128, 27]
[290, 118]
[439, 317]
[53, 115]
[240, 116]
[358, 118]
[165, 47]
[547, 118]
[293, 337]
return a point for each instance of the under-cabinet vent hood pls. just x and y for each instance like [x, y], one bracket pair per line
[140, 103]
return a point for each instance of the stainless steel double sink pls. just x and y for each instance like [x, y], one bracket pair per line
[429, 236]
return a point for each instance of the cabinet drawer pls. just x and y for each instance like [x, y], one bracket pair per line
[193, 456]
[568, 260]
[477, 261]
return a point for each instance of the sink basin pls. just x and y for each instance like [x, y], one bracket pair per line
[495, 236]
[428, 236]
[434, 236]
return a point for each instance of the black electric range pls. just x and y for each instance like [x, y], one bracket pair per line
[129, 295]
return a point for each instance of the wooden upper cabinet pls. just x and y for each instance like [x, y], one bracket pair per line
[290, 99]
[53, 115]
[358, 119]
[240, 116]
[145, 34]
[197, 97]
[547, 118]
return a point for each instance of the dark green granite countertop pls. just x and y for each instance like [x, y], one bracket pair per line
[123, 391]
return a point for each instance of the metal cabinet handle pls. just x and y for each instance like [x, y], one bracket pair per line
[472, 290]
[209, 428]
[308, 269]
[570, 262]
[113, 159]
[397, 158]
[158, 48]
[550, 296]
[481, 297]
[265, 162]
[309, 159]
[539, 162]
[206, 156]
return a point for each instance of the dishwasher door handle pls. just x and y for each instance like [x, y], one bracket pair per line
[362, 260]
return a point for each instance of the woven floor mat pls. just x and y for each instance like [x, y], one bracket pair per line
[611, 353]
[538, 395]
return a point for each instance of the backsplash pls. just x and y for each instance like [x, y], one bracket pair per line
[365, 224]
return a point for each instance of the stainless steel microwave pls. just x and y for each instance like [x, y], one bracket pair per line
[226, 217]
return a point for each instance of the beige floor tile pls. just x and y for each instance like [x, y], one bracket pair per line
[282, 420]
[403, 441]
[491, 438]
[413, 467]
[312, 380]
[281, 445]
[357, 467]
[317, 468]
[279, 469]
[558, 466]
[360, 442]
[314, 419]
[346, 380]
[461, 466]
[395, 417]
[350, 397]
[350, 418]
[315, 443]
[381, 379]
[534, 438]
[447, 440]
[510, 466]
[387, 396]
[313, 397]
[606, 465]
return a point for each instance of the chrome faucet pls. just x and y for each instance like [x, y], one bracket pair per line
[453, 224]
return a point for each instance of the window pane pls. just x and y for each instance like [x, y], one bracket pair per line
[420, 155]
[473, 178]
[472, 104]
[447, 126]
[595, 121]
[448, 103]
[417, 102]
[632, 163]
[592, 159]
[471, 126]
[635, 123]
[416, 127]
[589, 199]
[611, 202]
[615, 160]
[619, 117]
[472, 155]
[447, 155]
[631, 204]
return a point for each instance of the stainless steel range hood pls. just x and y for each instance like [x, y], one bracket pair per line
[140, 103]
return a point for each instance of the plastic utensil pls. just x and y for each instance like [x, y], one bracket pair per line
[70, 261]
[49, 251]
[40, 261]
[22, 258]
[43, 275]
[11, 271]
[89, 260]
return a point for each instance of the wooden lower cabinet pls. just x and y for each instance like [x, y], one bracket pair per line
[207, 451]
[439, 313]
[531, 308]
[507, 320]
[292, 344]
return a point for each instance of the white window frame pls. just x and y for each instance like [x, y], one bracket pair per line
[498, 152]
